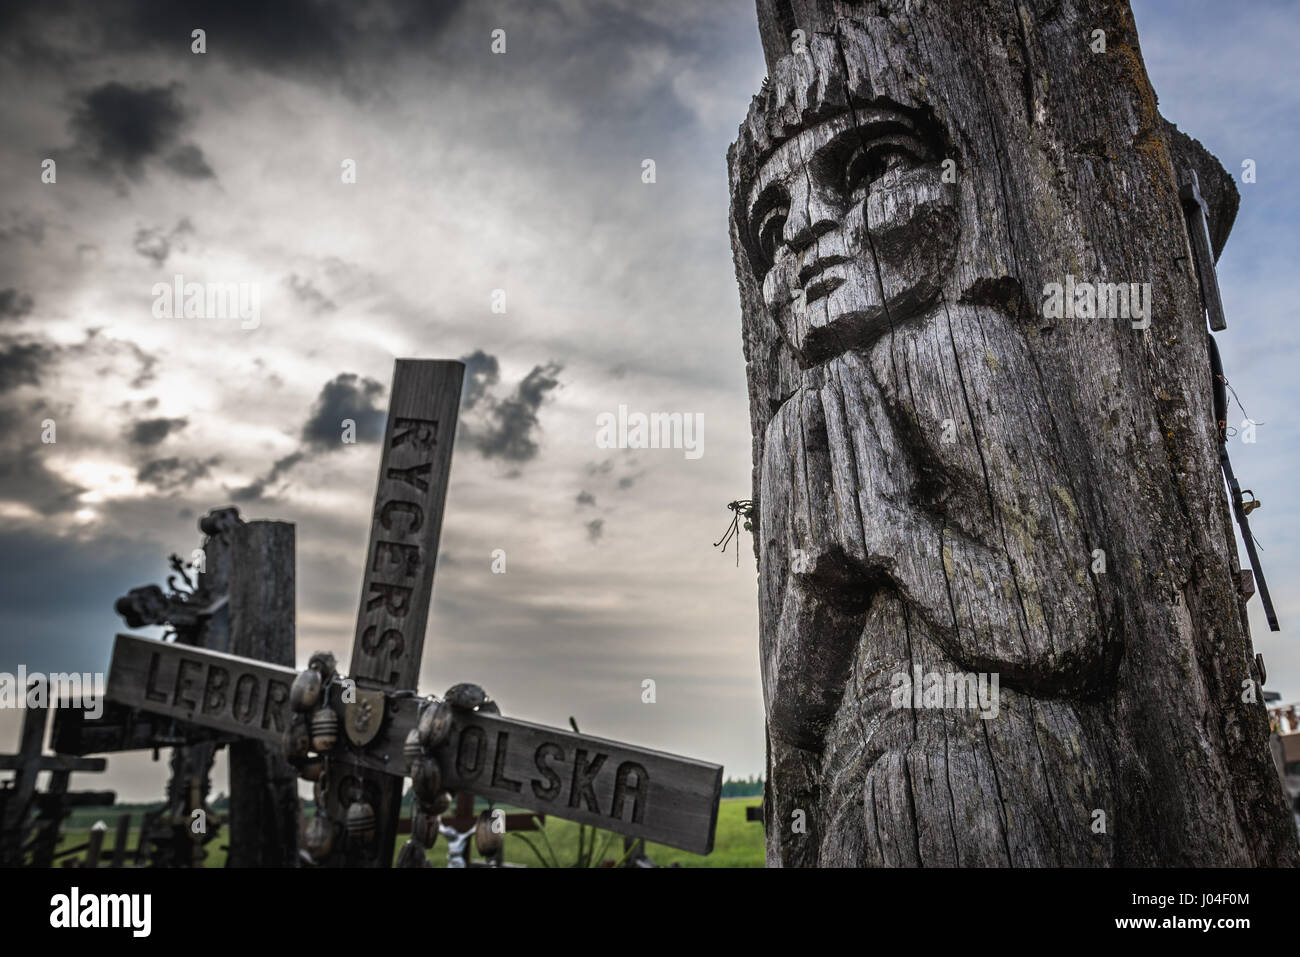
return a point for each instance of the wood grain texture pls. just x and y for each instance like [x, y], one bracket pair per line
[214, 689]
[409, 502]
[578, 777]
[264, 809]
[937, 461]
[121, 729]
[661, 797]
[410, 498]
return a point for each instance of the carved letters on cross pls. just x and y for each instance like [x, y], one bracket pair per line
[396, 562]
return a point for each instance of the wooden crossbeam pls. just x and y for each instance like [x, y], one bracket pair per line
[122, 729]
[662, 797]
[51, 762]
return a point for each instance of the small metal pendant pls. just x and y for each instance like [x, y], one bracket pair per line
[304, 695]
[426, 781]
[360, 822]
[434, 724]
[362, 718]
[324, 730]
[487, 840]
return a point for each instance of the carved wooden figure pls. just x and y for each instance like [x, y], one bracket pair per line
[955, 484]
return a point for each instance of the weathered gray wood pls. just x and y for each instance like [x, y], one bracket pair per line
[586, 779]
[96, 845]
[398, 577]
[264, 808]
[409, 503]
[190, 766]
[121, 838]
[49, 819]
[211, 688]
[122, 729]
[675, 803]
[938, 463]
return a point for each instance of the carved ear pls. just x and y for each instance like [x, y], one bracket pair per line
[1216, 183]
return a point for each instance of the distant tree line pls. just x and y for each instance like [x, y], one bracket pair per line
[742, 787]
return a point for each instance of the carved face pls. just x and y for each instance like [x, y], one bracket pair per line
[849, 227]
[907, 481]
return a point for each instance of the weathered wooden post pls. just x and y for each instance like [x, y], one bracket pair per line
[96, 847]
[984, 450]
[121, 838]
[264, 807]
[398, 576]
[241, 602]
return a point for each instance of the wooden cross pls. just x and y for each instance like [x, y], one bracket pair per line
[242, 602]
[19, 799]
[661, 797]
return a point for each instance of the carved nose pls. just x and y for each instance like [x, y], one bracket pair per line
[809, 216]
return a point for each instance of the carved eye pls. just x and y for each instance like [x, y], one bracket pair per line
[872, 160]
[770, 232]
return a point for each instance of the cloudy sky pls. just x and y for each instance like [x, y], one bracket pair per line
[475, 172]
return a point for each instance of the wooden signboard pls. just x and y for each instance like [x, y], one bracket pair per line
[619, 787]
[650, 794]
[245, 697]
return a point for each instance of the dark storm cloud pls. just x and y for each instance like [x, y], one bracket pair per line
[506, 428]
[24, 476]
[481, 373]
[348, 396]
[22, 361]
[149, 432]
[14, 304]
[256, 489]
[188, 160]
[320, 39]
[173, 472]
[118, 128]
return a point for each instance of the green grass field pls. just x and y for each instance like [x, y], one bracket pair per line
[737, 843]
